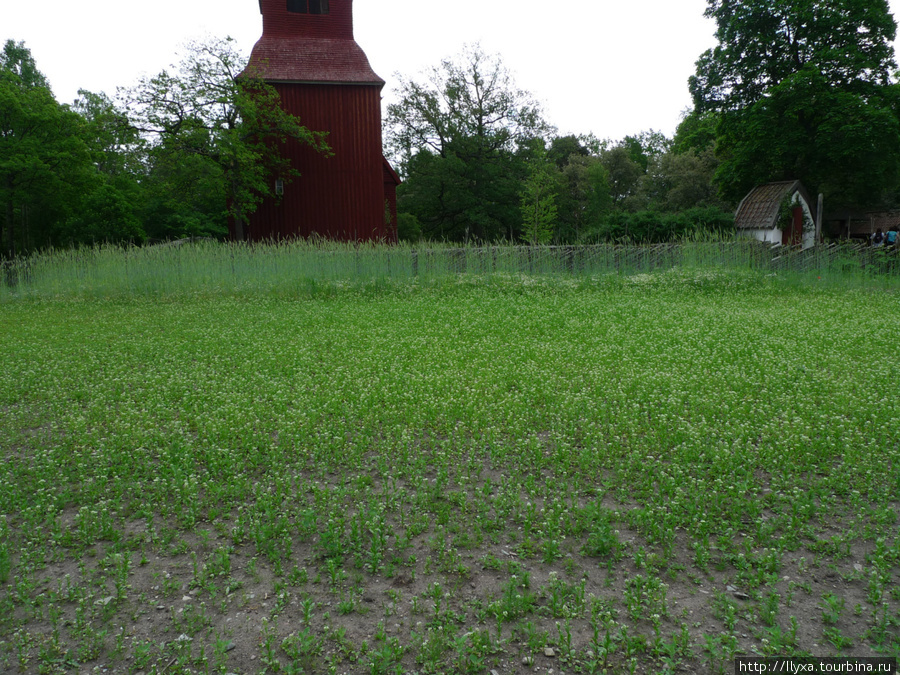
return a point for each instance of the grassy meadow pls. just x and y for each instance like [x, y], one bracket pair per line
[221, 462]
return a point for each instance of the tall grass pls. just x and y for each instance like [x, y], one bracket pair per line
[314, 266]
[535, 449]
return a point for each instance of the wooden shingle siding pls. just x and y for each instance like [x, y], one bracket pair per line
[324, 78]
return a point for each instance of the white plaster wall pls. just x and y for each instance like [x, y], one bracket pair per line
[809, 224]
[809, 236]
[768, 236]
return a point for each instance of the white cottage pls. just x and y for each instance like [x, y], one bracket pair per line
[761, 215]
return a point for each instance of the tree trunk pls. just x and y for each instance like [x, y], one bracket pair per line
[26, 230]
[239, 230]
[3, 236]
[10, 220]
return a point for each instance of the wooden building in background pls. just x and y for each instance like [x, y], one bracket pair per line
[307, 52]
[759, 215]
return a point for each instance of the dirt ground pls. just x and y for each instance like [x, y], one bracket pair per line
[418, 614]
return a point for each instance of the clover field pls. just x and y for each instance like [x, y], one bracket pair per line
[632, 474]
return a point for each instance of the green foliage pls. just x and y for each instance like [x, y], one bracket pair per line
[583, 196]
[17, 64]
[831, 606]
[185, 426]
[681, 182]
[697, 131]
[44, 162]
[5, 564]
[602, 541]
[797, 132]
[408, 227]
[184, 194]
[182, 153]
[564, 148]
[106, 213]
[761, 45]
[624, 174]
[227, 125]
[645, 147]
[456, 137]
[656, 226]
[178, 154]
[460, 197]
[538, 199]
[802, 91]
[112, 210]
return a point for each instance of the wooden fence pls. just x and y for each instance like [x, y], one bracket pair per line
[227, 264]
[633, 259]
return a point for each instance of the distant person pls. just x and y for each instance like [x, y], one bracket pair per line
[878, 238]
[890, 239]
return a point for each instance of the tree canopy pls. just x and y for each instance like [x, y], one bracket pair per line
[171, 157]
[481, 163]
[802, 90]
[794, 89]
[457, 138]
[762, 44]
[180, 153]
[217, 122]
[44, 162]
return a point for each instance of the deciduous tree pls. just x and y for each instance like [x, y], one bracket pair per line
[455, 137]
[113, 202]
[682, 181]
[584, 196]
[537, 198]
[43, 158]
[764, 43]
[624, 174]
[802, 89]
[210, 109]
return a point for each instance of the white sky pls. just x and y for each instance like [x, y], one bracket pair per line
[610, 67]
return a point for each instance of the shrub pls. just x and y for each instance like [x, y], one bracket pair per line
[653, 227]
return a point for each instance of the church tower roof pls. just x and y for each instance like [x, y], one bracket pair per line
[309, 41]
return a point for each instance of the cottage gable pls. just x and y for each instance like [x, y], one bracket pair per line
[760, 209]
[759, 214]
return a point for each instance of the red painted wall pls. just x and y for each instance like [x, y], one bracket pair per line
[324, 78]
[336, 25]
[339, 197]
[793, 234]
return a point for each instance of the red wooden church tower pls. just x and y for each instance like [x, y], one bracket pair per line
[308, 53]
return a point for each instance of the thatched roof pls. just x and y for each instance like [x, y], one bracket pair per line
[759, 209]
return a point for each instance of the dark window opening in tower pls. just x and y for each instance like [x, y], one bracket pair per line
[308, 6]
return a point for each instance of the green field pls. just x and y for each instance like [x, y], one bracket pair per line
[608, 473]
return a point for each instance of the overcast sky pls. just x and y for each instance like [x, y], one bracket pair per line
[608, 67]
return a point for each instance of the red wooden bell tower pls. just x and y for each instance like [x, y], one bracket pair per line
[308, 53]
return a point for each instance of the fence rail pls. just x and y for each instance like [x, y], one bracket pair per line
[284, 265]
[638, 259]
